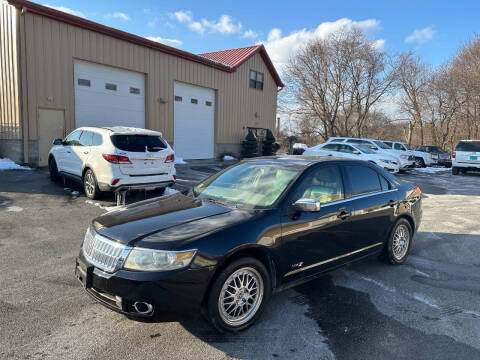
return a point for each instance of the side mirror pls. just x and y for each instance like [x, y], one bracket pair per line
[374, 148]
[307, 205]
[57, 142]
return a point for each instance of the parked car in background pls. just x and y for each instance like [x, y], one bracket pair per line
[115, 158]
[466, 156]
[406, 161]
[433, 155]
[253, 229]
[357, 152]
[299, 148]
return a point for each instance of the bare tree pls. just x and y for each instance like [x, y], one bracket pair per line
[333, 84]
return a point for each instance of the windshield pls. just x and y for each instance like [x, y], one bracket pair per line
[138, 143]
[434, 149]
[365, 149]
[408, 147]
[251, 185]
[381, 145]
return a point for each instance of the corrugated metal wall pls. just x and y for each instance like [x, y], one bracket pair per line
[51, 47]
[9, 76]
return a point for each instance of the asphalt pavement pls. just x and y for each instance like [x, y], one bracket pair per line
[428, 308]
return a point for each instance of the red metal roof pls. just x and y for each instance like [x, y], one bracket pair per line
[122, 35]
[236, 57]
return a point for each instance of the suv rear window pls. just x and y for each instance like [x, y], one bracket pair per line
[468, 146]
[138, 143]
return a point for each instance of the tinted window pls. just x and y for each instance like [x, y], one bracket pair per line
[388, 143]
[96, 139]
[384, 183]
[332, 147]
[323, 184]
[420, 148]
[363, 180]
[73, 138]
[434, 149]
[86, 138]
[398, 146]
[363, 142]
[346, 149]
[381, 145]
[138, 143]
[468, 146]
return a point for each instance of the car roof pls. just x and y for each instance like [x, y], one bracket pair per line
[301, 161]
[122, 130]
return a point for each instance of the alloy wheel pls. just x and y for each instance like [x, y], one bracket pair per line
[401, 241]
[89, 183]
[241, 296]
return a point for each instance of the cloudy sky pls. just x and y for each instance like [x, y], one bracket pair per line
[433, 29]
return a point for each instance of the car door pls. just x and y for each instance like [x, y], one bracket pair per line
[373, 200]
[81, 151]
[312, 240]
[67, 158]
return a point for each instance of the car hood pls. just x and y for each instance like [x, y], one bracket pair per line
[149, 224]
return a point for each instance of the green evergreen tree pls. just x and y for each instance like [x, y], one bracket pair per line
[250, 145]
[269, 145]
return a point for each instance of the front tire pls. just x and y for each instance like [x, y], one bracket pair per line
[90, 185]
[238, 295]
[419, 163]
[399, 243]
[52, 167]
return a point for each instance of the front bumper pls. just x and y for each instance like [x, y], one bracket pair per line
[180, 291]
[407, 164]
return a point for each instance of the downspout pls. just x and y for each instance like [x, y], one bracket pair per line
[24, 87]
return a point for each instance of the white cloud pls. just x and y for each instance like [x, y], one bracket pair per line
[250, 34]
[117, 15]
[421, 36]
[170, 42]
[66, 10]
[224, 25]
[280, 47]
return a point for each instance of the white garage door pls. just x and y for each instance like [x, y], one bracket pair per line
[194, 114]
[106, 96]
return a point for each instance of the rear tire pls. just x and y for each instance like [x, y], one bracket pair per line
[399, 243]
[454, 170]
[52, 167]
[239, 295]
[90, 185]
[419, 163]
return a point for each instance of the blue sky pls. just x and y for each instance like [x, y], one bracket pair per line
[433, 29]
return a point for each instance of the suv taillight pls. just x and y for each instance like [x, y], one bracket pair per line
[116, 159]
[170, 158]
[453, 155]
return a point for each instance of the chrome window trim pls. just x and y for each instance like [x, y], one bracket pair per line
[359, 197]
[332, 259]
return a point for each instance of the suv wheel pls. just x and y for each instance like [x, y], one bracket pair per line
[399, 243]
[90, 185]
[238, 295]
[419, 163]
[454, 170]
[52, 167]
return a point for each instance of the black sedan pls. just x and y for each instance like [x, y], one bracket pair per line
[255, 228]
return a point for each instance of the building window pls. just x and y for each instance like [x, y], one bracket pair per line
[178, 98]
[194, 101]
[83, 82]
[134, 90]
[256, 80]
[111, 87]
[208, 103]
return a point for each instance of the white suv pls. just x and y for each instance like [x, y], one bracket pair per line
[115, 158]
[358, 152]
[466, 156]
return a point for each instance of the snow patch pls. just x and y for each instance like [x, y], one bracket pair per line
[169, 191]
[431, 170]
[14, 208]
[7, 164]
[108, 208]
[228, 158]
[179, 160]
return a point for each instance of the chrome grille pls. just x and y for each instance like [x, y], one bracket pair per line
[102, 252]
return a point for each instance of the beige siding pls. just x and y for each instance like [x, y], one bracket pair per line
[9, 73]
[52, 46]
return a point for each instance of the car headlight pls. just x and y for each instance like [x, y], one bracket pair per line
[435, 156]
[386, 161]
[405, 157]
[142, 259]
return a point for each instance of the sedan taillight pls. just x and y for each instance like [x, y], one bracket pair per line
[116, 159]
[170, 158]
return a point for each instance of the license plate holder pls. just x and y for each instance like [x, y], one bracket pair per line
[84, 274]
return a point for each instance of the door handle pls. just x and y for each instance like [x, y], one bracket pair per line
[69, 152]
[85, 152]
[344, 213]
